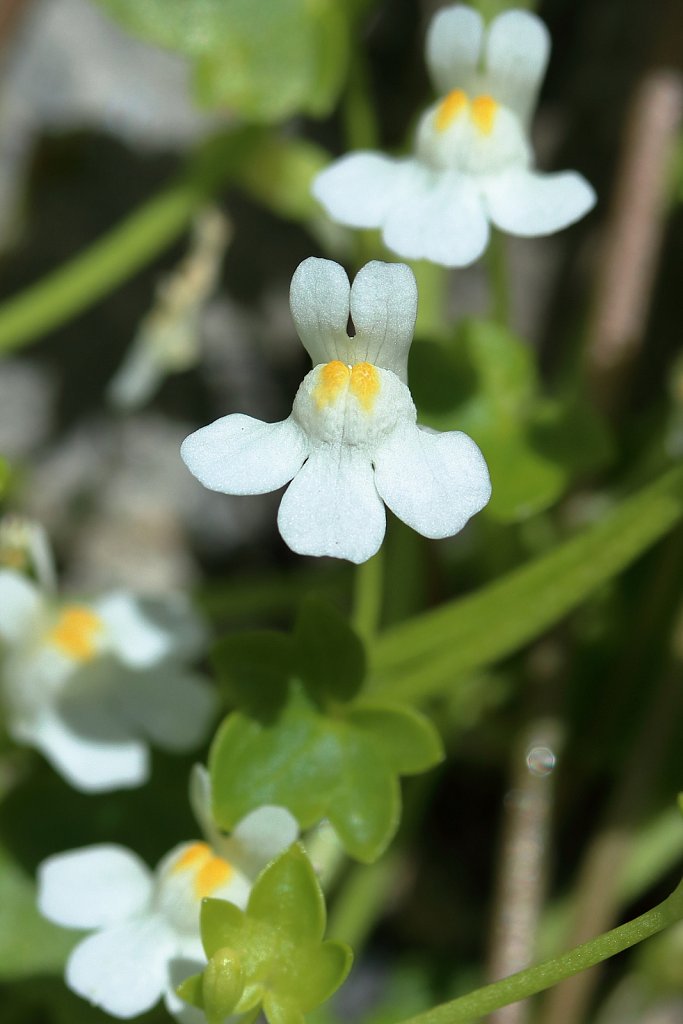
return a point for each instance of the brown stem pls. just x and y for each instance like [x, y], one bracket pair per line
[633, 237]
[522, 860]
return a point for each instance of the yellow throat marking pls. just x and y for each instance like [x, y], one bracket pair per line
[482, 110]
[76, 632]
[210, 871]
[362, 380]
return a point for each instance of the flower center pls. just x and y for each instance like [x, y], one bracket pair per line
[476, 136]
[361, 380]
[210, 872]
[482, 111]
[76, 632]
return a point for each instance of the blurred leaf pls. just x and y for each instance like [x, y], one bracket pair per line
[264, 60]
[279, 173]
[5, 476]
[28, 943]
[434, 651]
[271, 955]
[330, 656]
[299, 741]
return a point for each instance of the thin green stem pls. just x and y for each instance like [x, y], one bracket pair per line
[432, 312]
[529, 982]
[499, 279]
[367, 597]
[113, 259]
[363, 899]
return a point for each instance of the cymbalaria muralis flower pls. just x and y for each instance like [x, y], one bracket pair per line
[146, 924]
[473, 160]
[90, 684]
[352, 441]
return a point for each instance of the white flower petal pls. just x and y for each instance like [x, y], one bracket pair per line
[240, 455]
[200, 801]
[433, 482]
[132, 637]
[20, 605]
[332, 506]
[93, 887]
[443, 222]
[517, 53]
[383, 310]
[92, 762]
[359, 189]
[124, 969]
[529, 204]
[454, 43]
[174, 709]
[260, 837]
[319, 300]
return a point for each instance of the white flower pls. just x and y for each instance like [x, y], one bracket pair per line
[146, 924]
[352, 440]
[89, 684]
[473, 161]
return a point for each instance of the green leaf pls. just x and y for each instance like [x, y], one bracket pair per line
[276, 959]
[290, 890]
[253, 669]
[315, 765]
[28, 943]
[434, 651]
[408, 740]
[264, 60]
[221, 927]
[330, 656]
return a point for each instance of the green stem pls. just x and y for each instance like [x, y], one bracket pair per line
[499, 278]
[367, 597]
[529, 982]
[432, 313]
[113, 259]
[363, 899]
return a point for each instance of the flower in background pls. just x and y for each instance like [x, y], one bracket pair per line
[352, 440]
[146, 924]
[168, 339]
[90, 684]
[473, 159]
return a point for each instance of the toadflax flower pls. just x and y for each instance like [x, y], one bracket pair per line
[473, 160]
[89, 684]
[352, 441]
[146, 924]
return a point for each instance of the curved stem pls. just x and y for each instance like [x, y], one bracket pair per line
[110, 261]
[482, 1001]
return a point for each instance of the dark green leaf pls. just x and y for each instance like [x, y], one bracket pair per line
[330, 656]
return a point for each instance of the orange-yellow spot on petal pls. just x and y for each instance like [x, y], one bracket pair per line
[483, 113]
[211, 875]
[365, 384]
[450, 107]
[334, 377]
[76, 632]
[192, 857]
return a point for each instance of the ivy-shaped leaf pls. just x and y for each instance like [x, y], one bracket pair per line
[306, 739]
[264, 60]
[271, 956]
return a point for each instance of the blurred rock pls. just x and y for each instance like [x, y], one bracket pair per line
[27, 399]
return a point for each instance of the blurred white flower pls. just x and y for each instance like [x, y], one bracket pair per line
[168, 339]
[146, 924]
[352, 440]
[473, 160]
[91, 684]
